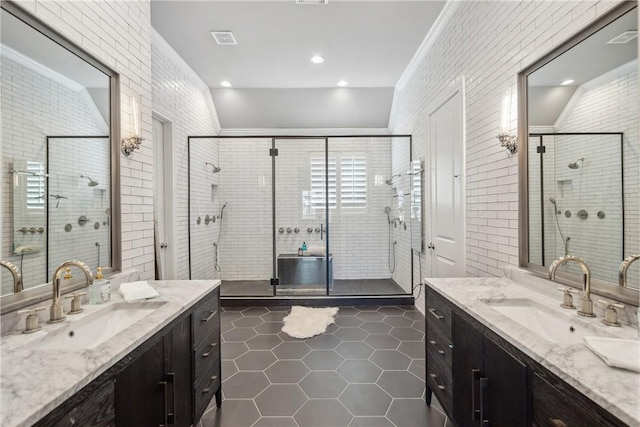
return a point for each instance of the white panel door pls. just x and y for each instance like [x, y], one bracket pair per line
[159, 200]
[447, 187]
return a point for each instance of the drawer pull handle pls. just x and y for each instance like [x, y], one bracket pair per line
[435, 314]
[212, 345]
[475, 376]
[206, 389]
[435, 378]
[206, 319]
[434, 344]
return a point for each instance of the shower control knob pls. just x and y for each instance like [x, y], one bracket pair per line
[309, 230]
[280, 230]
[289, 230]
[317, 229]
[296, 230]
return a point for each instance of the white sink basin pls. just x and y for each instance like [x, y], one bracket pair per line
[94, 329]
[544, 322]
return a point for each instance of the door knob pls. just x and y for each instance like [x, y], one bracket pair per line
[431, 246]
[163, 245]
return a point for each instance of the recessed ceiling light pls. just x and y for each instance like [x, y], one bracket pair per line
[317, 59]
[623, 38]
[225, 84]
[567, 82]
[224, 37]
[342, 83]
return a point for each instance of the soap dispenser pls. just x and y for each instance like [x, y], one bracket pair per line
[304, 247]
[100, 290]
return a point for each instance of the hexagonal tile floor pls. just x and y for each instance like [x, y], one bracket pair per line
[366, 370]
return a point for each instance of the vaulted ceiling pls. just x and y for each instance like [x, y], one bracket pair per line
[274, 84]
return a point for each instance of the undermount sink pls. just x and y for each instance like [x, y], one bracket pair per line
[96, 328]
[544, 322]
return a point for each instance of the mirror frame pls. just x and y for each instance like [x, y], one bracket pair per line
[600, 287]
[42, 292]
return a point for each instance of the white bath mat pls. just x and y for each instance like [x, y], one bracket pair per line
[306, 322]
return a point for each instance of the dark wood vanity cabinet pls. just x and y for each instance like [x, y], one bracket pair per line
[169, 380]
[481, 379]
[490, 385]
[155, 388]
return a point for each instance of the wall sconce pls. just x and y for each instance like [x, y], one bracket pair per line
[506, 138]
[131, 143]
[510, 142]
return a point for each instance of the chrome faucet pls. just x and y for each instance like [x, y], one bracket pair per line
[586, 305]
[624, 266]
[56, 313]
[17, 276]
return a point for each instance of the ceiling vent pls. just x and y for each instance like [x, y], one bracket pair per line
[224, 37]
[311, 1]
[623, 38]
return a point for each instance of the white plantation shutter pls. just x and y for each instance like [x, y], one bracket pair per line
[35, 186]
[318, 183]
[353, 182]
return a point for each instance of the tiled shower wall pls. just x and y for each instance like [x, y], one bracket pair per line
[488, 43]
[25, 126]
[358, 238]
[181, 98]
[608, 105]
[118, 34]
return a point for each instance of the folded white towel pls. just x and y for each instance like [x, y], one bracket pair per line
[137, 291]
[616, 352]
[314, 251]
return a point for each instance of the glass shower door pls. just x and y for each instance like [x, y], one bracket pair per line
[300, 205]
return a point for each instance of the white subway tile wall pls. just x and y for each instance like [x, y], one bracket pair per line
[488, 43]
[182, 98]
[118, 34]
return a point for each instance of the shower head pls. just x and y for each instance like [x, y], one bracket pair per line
[575, 164]
[390, 180]
[91, 183]
[216, 169]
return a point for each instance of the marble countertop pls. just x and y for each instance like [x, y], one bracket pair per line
[616, 390]
[34, 382]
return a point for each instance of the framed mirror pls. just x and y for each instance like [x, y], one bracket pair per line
[579, 155]
[60, 157]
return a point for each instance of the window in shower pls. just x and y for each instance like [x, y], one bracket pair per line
[353, 182]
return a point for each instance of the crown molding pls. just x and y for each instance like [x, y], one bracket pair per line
[447, 12]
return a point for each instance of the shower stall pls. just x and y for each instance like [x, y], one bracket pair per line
[576, 204]
[305, 216]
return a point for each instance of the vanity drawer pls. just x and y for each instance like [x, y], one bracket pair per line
[438, 314]
[205, 388]
[206, 317]
[562, 406]
[438, 346]
[439, 379]
[207, 353]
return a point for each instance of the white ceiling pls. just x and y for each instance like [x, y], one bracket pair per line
[367, 43]
[583, 63]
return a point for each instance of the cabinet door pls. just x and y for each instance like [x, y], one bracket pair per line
[140, 392]
[467, 366]
[505, 396]
[177, 350]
